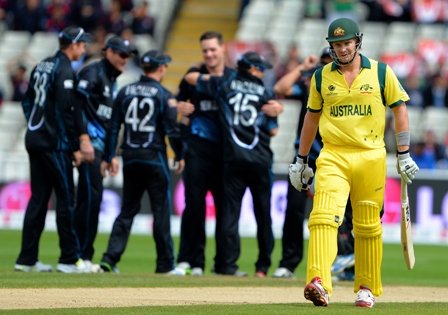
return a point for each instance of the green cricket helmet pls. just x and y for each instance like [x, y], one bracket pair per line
[343, 29]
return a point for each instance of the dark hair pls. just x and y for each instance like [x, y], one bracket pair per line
[64, 45]
[242, 66]
[150, 68]
[211, 35]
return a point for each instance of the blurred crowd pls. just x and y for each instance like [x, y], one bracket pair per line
[55, 15]
[426, 87]
[121, 17]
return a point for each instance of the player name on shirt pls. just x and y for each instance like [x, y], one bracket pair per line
[142, 90]
[247, 87]
[45, 66]
[350, 110]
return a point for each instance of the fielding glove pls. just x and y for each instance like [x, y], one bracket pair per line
[406, 166]
[300, 174]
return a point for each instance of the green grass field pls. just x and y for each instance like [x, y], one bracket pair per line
[138, 264]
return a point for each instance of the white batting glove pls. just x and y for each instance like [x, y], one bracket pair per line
[300, 174]
[406, 166]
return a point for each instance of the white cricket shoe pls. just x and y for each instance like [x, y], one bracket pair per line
[92, 268]
[78, 267]
[197, 271]
[37, 267]
[316, 293]
[185, 267]
[365, 297]
[176, 272]
[283, 273]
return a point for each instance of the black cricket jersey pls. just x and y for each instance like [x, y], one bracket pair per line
[97, 87]
[50, 105]
[240, 97]
[204, 121]
[148, 111]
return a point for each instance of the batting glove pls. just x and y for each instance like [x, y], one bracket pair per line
[300, 174]
[406, 166]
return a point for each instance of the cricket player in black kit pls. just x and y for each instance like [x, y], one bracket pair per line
[53, 135]
[204, 157]
[97, 89]
[148, 112]
[247, 158]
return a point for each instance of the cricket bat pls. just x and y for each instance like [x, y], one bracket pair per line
[406, 228]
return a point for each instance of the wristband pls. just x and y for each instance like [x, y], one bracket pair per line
[402, 152]
[403, 138]
[304, 158]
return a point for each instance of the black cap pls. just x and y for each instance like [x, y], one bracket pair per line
[253, 59]
[325, 52]
[74, 35]
[154, 58]
[120, 45]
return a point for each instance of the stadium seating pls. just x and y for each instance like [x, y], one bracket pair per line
[436, 119]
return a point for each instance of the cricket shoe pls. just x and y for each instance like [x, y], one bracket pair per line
[315, 292]
[78, 267]
[197, 271]
[106, 267]
[365, 297]
[37, 267]
[342, 262]
[93, 268]
[260, 274]
[185, 266]
[283, 272]
[239, 273]
[176, 272]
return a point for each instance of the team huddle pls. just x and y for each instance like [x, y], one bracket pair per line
[219, 125]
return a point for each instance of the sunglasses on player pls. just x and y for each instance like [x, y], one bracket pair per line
[261, 68]
[121, 54]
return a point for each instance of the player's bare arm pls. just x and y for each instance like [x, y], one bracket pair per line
[406, 166]
[111, 168]
[401, 123]
[185, 108]
[86, 148]
[284, 85]
[180, 166]
[309, 131]
[193, 77]
[272, 108]
[77, 158]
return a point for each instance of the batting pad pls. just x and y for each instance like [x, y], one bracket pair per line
[322, 247]
[368, 247]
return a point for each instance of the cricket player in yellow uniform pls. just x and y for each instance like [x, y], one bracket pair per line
[348, 102]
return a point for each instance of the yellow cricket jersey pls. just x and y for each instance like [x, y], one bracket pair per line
[354, 116]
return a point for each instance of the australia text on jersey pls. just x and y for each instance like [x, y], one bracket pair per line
[350, 110]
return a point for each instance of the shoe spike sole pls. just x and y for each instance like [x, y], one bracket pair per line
[313, 295]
